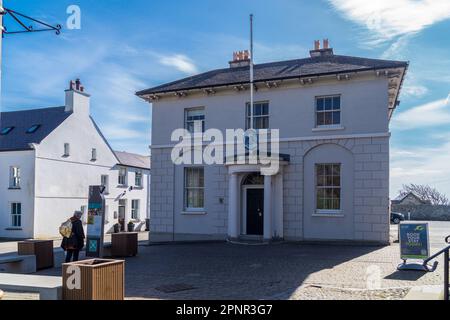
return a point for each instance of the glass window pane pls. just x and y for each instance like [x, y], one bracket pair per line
[266, 109]
[336, 103]
[320, 119]
[321, 181]
[328, 103]
[257, 110]
[328, 118]
[336, 170]
[336, 181]
[336, 204]
[337, 117]
[320, 170]
[320, 104]
[320, 204]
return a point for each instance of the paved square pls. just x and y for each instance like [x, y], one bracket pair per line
[279, 271]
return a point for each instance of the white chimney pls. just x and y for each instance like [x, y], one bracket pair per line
[77, 101]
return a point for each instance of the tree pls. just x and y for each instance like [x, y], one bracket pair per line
[426, 193]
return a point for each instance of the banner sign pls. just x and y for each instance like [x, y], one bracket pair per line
[95, 222]
[414, 241]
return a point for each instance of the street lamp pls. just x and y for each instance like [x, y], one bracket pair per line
[20, 19]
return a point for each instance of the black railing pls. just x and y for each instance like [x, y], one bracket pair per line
[446, 253]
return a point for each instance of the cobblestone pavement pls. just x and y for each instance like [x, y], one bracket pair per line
[284, 271]
[280, 271]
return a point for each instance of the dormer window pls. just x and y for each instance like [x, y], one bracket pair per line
[33, 128]
[6, 131]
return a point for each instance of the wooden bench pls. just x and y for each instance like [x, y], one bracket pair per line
[49, 288]
[13, 263]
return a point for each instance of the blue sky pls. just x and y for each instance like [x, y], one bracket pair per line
[124, 46]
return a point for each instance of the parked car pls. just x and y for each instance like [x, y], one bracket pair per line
[396, 217]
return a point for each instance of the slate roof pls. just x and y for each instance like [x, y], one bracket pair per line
[48, 119]
[323, 65]
[133, 160]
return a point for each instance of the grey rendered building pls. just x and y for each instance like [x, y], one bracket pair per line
[333, 113]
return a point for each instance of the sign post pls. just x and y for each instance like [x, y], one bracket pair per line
[414, 245]
[95, 222]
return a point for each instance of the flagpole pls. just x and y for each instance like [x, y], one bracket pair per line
[251, 74]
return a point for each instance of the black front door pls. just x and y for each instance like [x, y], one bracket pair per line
[255, 212]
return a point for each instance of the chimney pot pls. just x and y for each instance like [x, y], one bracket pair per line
[317, 45]
[240, 59]
[325, 51]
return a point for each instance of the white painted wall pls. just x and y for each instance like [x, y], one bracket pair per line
[25, 195]
[54, 186]
[364, 105]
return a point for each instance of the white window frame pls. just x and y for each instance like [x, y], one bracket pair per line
[188, 209]
[14, 177]
[135, 210]
[317, 187]
[333, 110]
[256, 117]
[16, 217]
[104, 181]
[194, 123]
[124, 177]
[139, 173]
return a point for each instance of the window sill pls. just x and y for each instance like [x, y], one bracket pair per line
[193, 213]
[329, 214]
[14, 188]
[328, 128]
[122, 187]
[138, 188]
[14, 229]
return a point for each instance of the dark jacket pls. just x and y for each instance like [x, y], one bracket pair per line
[77, 238]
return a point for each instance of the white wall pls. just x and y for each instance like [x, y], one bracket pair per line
[62, 183]
[364, 105]
[25, 195]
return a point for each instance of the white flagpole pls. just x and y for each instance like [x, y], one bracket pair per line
[251, 73]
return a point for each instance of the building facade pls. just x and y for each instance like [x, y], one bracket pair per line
[333, 116]
[49, 158]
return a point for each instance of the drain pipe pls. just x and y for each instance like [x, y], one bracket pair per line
[173, 205]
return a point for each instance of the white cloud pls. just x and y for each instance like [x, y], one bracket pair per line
[414, 90]
[431, 114]
[421, 165]
[388, 19]
[179, 62]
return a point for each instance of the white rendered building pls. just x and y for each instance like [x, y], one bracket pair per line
[49, 158]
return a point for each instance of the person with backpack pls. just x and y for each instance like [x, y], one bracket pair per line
[73, 233]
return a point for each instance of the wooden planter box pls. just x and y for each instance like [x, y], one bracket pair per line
[124, 244]
[99, 279]
[42, 249]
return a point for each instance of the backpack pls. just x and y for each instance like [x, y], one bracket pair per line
[66, 229]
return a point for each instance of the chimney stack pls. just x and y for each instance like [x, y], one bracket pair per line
[240, 59]
[318, 52]
[77, 101]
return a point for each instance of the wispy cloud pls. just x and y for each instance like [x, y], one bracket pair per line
[179, 62]
[412, 90]
[421, 165]
[430, 114]
[389, 19]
